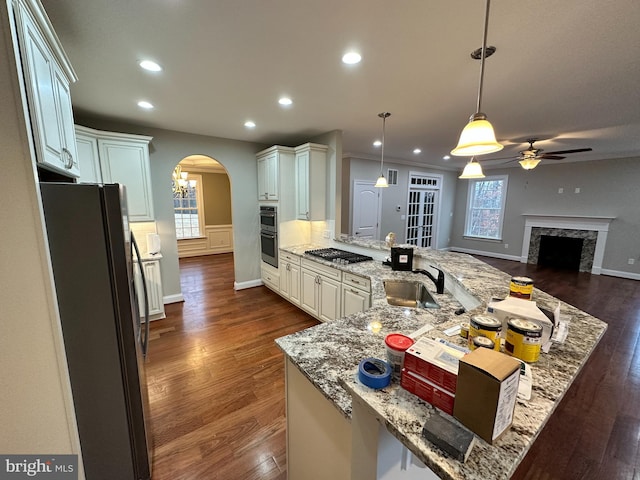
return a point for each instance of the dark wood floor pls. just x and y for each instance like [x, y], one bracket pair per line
[216, 380]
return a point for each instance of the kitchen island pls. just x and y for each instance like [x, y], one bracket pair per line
[330, 414]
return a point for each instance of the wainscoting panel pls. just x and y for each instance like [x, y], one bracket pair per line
[217, 239]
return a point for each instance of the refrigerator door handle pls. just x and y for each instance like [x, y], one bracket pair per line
[145, 338]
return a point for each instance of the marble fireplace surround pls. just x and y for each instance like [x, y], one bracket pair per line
[600, 225]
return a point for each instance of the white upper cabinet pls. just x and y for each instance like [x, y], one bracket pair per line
[109, 157]
[311, 174]
[47, 76]
[274, 165]
[88, 155]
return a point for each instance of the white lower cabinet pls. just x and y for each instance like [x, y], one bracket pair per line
[289, 267]
[270, 276]
[356, 294]
[320, 290]
[151, 268]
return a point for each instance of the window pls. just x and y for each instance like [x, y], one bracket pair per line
[187, 207]
[485, 210]
[392, 176]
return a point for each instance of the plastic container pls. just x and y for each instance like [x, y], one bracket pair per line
[397, 345]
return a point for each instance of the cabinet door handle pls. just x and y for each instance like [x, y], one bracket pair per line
[68, 158]
[307, 215]
[354, 291]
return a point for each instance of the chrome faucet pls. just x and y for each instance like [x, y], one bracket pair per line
[438, 281]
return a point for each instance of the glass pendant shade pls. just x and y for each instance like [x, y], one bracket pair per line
[381, 182]
[472, 170]
[529, 163]
[477, 138]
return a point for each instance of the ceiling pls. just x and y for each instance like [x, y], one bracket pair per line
[565, 72]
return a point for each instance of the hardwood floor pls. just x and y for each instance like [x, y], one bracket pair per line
[216, 380]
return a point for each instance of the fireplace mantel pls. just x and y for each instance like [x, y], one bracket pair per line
[599, 224]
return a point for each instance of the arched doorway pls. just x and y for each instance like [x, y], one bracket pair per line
[201, 192]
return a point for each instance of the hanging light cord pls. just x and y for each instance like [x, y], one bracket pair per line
[483, 56]
[384, 116]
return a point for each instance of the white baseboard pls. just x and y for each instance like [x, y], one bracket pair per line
[249, 284]
[618, 273]
[173, 298]
[515, 258]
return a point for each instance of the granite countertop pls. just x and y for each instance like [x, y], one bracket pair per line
[328, 355]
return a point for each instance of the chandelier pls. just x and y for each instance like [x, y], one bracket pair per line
[181, 184]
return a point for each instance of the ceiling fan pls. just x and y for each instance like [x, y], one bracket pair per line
[530, 157]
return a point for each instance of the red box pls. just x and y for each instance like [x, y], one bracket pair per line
[435, 362]
[427, 391]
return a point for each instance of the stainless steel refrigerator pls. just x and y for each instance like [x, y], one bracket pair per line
[104, 336]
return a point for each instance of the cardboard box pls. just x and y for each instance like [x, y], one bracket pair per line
[486, 392]
[427, 391]
[512, 307]
[435, 362]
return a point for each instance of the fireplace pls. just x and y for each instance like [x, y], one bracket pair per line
[590, 232]
[561, 252]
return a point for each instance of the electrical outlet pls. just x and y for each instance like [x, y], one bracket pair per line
[402, 217]
[326, 234]
[560, 190]
[631, 261]
[506, 245]
[577, 190]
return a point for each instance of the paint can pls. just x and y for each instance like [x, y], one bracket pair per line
[524, 339]
[485, 326]
[464, 330]
[521, 287]
[484, 342]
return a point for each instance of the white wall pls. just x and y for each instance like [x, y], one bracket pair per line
[37, 415]
[391, 220]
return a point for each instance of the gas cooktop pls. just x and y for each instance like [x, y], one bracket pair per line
[336, 255]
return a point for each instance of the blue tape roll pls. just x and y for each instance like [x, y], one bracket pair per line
[374, 373]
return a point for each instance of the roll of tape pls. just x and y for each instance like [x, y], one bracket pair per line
[374, 373]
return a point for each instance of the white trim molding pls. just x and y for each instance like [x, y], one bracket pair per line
[217, 239]
[569, 222]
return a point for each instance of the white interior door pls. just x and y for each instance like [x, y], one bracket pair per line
[366, 210]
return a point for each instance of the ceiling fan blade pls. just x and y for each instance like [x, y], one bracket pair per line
[575, 150]
[511, 158]
[546, 156]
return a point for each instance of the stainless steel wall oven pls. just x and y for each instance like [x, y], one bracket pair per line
[269, 234]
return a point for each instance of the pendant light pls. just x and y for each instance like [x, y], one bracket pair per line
[382, 182]
[478, 137]
[472, 170]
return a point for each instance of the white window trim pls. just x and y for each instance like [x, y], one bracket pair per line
[472, 183]
[199, 205]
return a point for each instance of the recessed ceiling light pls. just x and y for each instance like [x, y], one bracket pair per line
[144, 104]
[377, 143]
[351, 58]
[446, 157]
[417, 151]
[285, 101]
[150, 65]
[249, 124]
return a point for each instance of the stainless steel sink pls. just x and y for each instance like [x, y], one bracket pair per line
[409, 293]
